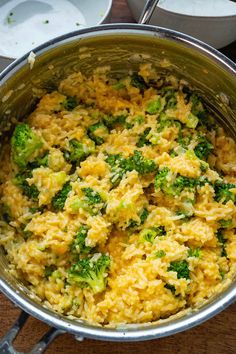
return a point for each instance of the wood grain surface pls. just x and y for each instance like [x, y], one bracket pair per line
[216, 336]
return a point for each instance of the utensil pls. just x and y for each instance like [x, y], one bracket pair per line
[148, 11]
[123, 47]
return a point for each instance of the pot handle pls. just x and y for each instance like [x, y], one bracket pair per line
[6, 343]
[147, 11]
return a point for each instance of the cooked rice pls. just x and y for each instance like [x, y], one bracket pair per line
[140, 287]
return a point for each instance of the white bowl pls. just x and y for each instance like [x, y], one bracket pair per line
[218, 30]
[25, 24]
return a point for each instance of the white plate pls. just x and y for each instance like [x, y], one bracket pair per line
[25, 24]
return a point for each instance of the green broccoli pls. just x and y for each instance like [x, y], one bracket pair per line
[149, 235]
[48, 270]
[119, 165]
[166, 123]
[116, 163]
[223, 193]
[182, 182]
[194, 252]
[98, 133]
[30, 191]
[39, 162]
[161, 178]
[91, 196]
[176, 186]
[154, 107]
[198, 110]
[70, 103]
[170, 287]
[119, 85]
[184, 141]
[143, 216]
[112, 122]
[138, 82]
[181, 268]
[192, 121]
[78, 246]
[203, 149]
[24, 144]
[160, 254]
[204, 166]
[225, 224]
[222, 241]
[143, 138]
[88, 273]
[169, 94]
[58, 201]
[140, 164]
[77, 151]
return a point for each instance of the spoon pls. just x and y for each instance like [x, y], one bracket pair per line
[147, 11]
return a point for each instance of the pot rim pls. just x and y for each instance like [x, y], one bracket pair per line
[125, 333]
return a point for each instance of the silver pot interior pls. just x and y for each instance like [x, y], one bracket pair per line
[123, 48]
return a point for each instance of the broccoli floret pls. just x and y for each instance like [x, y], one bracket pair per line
[119, 85]
[58, 201]
[39, 161]
[197, 105]
[24, 144]
[143, 138]
[137, 162]
[112, 121]
[140, 164]
[184, 141]
[92, 197]
[88, 273]
[48, 270]
[170, 287]
[78, 246]
[199, 111]
[160, 254]
[225, 223]
[182, 182]
[116, 163]
[223, 193]
[204, 166]
[154, 107]
[181, 268]
[30, 191]
[170, 97]
[149, 235]
[176, 186]
[194, 252]
[70, 103]
[77, 151]
[161, 178]
[192, 121]
[143, 216]
[166, 123]
[98, 133]
[203, 149]
[138, 82]
[222, 241]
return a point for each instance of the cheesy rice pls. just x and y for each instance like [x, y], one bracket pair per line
[118, 199]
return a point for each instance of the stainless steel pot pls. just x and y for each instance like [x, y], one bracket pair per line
[123, 47]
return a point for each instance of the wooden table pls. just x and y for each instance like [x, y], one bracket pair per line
[216, 336]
